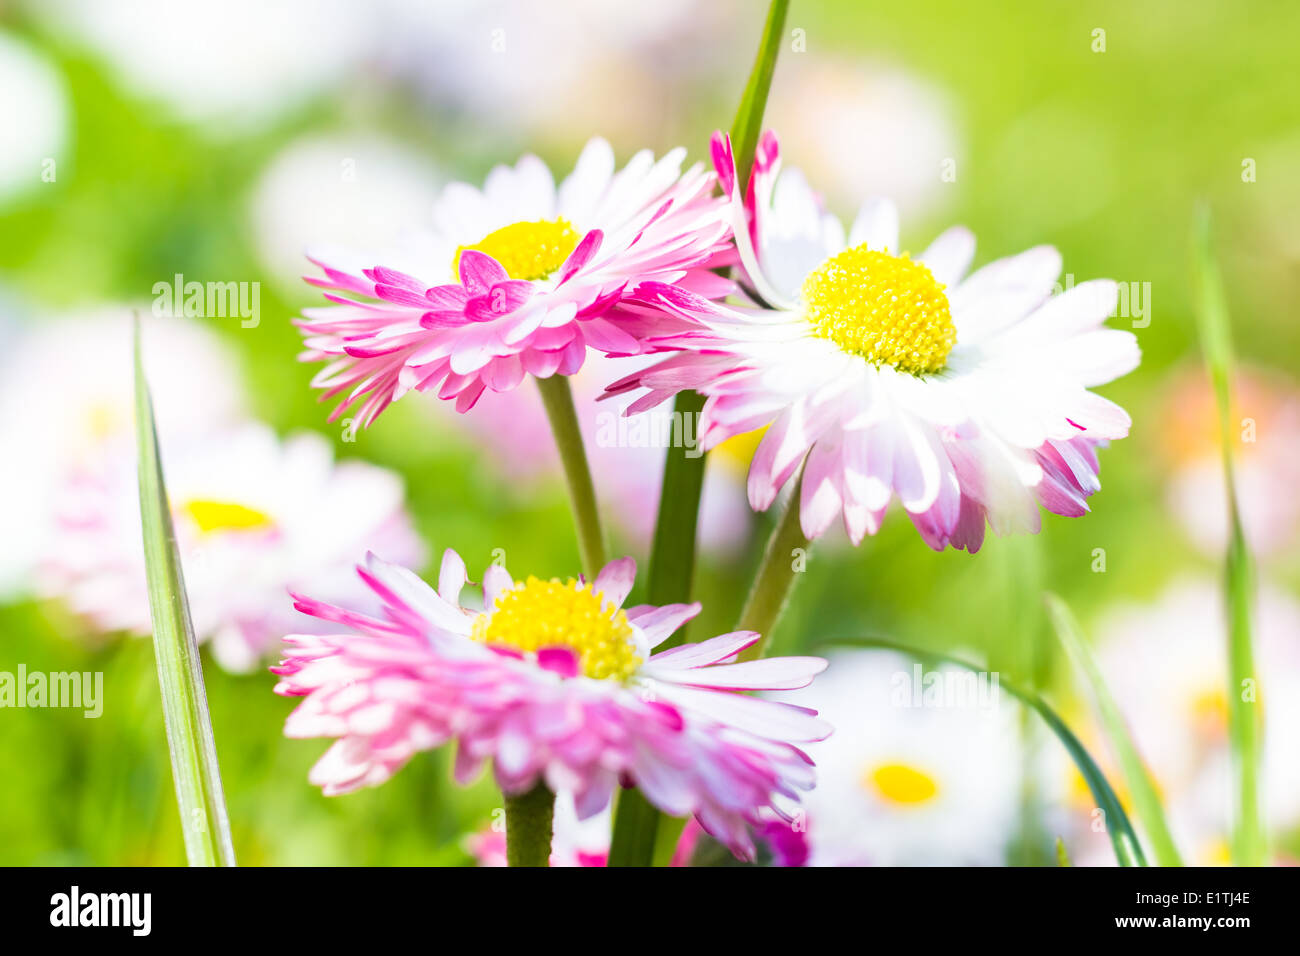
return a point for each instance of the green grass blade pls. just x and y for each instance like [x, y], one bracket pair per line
[748, 125]
[180, 676]
[1128, 850]
[1146, 801]
[1245, 728]
[672, 554]
[1062, 855]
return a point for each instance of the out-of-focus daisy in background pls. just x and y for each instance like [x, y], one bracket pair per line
[339, 193]
[626, 71]
[1266, 456]
[519, 278]
[233, 65]
[255, 518]
[33, 120]
[966, 397]
[1165, 663]
[914, 775]
[867, 128]
[552, 682]
[67, 402]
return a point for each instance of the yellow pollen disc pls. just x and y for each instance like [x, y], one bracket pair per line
[527, 250]
[213, 516]
[888, 309]
[539, 614]
[899, 783]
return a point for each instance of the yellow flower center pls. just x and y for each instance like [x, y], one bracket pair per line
[738, 450]
[888, 309]
[539, 614]
[898, 783]
[527, 250]
[211, 516]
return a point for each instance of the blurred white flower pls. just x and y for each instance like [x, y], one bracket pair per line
[562, 68]
[1166, 665]
[33, 118]
[67, 393]
[255, 518]
[1265, 431]
[865, 130]
[334, 193]
[227, 63]
[909, 779]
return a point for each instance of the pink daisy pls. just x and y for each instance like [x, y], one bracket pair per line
[522, 279]
[553, 682]
[254, 516]
[966, 397]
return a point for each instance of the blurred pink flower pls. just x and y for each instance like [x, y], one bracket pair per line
[68, 394]
[554, 682]
[254, 518]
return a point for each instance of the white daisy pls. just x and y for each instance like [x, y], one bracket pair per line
[67, 394]
[967, 398]
[254, 516]
[902, 784]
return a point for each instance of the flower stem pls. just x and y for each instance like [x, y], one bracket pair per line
[672, 555]
[558, 400]
[672, 562]
[783, 558]
[528, 827]
[672, 566]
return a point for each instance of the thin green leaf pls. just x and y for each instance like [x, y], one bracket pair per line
[1128, 851]
[749, 116]
[1249, 842]
[1146, 801]
[180, 676]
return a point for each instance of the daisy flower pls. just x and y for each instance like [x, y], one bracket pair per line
[522, 276]
[909, 780]
[254, 517]
[966, 397]
[554, 682]
[68, 394]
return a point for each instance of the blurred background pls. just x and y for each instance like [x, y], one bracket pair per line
[141, 139]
